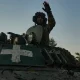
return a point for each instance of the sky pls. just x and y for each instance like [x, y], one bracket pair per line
[16, 16]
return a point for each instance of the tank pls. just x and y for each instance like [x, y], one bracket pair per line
[33, 61]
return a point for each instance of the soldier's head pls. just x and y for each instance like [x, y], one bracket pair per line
[39, 18]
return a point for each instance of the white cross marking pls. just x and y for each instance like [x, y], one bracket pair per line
[16, 52]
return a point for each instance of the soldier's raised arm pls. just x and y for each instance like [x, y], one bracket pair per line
[51, 20]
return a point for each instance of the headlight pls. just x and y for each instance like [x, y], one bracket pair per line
[15, 40]
[31, 38]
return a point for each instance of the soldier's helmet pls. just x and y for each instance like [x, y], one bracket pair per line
[42, 15]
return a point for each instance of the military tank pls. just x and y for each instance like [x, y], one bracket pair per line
[32, 61]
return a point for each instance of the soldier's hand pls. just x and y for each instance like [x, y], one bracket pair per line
[46, 7]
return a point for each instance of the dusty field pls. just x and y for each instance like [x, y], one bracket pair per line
[55, 74]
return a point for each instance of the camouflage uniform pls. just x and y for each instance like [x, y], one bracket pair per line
[47, 29]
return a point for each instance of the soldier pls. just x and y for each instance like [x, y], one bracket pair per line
[3, 38]
[40, 19]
